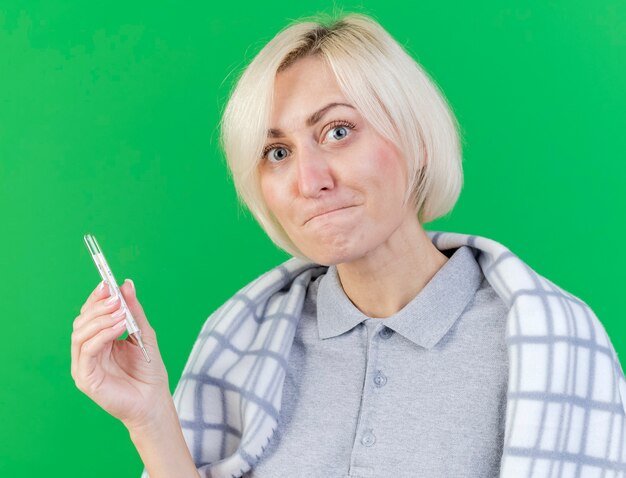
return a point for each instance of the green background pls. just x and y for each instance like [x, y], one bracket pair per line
[108, 125]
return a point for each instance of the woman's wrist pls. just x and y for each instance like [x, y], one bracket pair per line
[156, 416]
[161, 444]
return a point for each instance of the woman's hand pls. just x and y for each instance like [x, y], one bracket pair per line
[113, 373]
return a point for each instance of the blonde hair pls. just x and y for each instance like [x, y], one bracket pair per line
[384, 83]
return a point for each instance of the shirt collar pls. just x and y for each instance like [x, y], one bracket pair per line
[424, 320]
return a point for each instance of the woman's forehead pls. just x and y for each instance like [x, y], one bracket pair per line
[306, 77]
[304, 93]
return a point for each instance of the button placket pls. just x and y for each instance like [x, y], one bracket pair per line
[380, 379]
[367, 415]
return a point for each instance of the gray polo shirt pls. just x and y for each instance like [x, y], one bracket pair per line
[421, 393]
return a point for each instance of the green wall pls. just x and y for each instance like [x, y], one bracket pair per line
[108, 125]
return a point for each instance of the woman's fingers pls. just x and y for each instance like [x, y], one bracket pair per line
[101, 291]
[97, 308]
[88, 357]
[95, 329]
[93, 319]
[91, 328]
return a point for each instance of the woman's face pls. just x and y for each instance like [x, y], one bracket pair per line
[335, 185]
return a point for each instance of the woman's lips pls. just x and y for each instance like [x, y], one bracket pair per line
[328, 213]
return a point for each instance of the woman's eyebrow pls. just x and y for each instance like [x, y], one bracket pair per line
[311, 120]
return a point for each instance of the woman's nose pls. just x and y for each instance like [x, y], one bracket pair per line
[314, 173]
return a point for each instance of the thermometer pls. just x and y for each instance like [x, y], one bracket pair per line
[107, 277]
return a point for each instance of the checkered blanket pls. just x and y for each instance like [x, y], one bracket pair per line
[566, 395]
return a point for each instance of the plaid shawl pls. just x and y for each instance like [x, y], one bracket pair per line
[566, 390]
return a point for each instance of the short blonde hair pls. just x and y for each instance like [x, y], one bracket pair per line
[384, 83]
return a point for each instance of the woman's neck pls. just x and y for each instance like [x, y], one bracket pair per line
[386, 279]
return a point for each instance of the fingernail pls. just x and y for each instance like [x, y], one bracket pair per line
[101, 286]
[131, 283]
[110, 300]
[118, 313]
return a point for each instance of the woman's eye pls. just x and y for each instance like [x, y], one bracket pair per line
[275, 154]
[339, 132]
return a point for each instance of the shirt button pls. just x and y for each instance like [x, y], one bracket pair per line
[368, 439]
[385, 332]
[380, 379]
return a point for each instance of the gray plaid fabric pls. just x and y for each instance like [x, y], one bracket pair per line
[566, 392]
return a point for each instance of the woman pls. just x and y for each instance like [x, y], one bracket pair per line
[380, 349]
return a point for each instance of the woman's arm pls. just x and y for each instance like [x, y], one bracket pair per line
[161, 444]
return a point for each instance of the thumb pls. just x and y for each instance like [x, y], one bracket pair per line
[130, 296]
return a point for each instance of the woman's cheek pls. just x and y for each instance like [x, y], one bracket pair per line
[269, 195]
[280, 203]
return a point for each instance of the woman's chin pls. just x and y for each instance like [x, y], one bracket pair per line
[333, 255]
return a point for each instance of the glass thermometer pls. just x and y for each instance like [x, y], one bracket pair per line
[107, 277]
